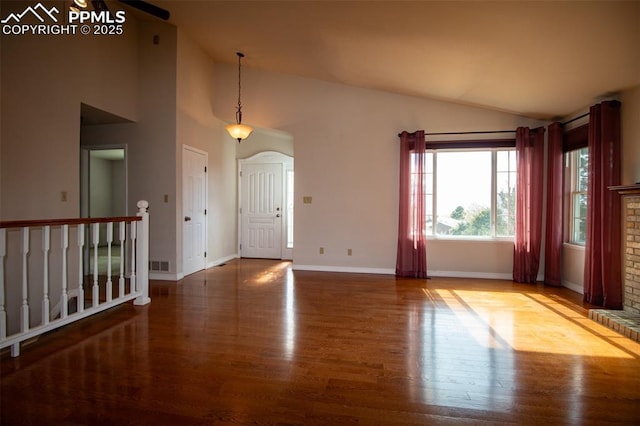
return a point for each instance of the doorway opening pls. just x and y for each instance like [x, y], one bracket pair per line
[103, 194]
[265, 222]
[103, 183]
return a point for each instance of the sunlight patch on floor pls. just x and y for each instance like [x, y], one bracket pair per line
[533, 322]
[271, 274]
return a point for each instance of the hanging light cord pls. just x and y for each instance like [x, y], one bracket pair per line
[239, 110]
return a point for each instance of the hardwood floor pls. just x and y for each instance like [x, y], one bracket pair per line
[253, 342]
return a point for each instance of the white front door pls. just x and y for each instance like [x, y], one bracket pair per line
[194, 204]
[261, 188]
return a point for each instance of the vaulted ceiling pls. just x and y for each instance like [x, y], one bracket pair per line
[538, 59]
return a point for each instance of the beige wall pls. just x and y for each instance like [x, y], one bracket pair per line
[44, 80]
[152, 147]
[346, 158]
[265, 140]
[199, 128]
[630, 136]
[151, 140]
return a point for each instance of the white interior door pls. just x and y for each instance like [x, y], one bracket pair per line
[261, 188]
[194, 236]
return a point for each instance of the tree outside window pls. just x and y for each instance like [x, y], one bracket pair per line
[579, 179]
[473, 193]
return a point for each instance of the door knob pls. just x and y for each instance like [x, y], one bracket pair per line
[277, 215]
[187, 218]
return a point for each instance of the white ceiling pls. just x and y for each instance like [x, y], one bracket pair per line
[540, 59]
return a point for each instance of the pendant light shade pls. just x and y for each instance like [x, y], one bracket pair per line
[239, 131]
[76, 5]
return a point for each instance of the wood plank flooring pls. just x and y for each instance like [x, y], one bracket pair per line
[253, 342]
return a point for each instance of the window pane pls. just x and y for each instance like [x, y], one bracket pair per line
[578, 169]
[579, 218]
[506, 161]
[464, 193]
[428, 192]
[290, 208]
[583, 172]
[506, 193]
[429, 214]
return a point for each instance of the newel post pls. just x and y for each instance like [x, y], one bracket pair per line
[142, 254]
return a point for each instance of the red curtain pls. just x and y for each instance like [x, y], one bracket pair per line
[412, 248]
[530, 159]
[555, 191]
[603, 263]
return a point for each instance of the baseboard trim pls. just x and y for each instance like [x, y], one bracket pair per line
[344, 269]
[221, 260]
[385, 271]
[464, 274]
[160, 276]
[163, 276]
[573, 286]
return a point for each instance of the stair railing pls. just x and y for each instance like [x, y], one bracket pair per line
[69, 271]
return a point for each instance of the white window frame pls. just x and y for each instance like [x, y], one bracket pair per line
[431, 233]
[573, 192]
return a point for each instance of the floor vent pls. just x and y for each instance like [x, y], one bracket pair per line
[159, 265]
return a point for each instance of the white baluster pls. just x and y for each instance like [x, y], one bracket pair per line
[24, 323]
[142, 250]
[96, 239]
[46, 245]
[122, 242]
[64, 244]
[109, 285]
[132, 277]
[80, 274]
[3, 312]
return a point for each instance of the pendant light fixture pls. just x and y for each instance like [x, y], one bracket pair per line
[239, 131]
[76, 5]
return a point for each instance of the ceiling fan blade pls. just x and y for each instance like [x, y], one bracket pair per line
[148, 8]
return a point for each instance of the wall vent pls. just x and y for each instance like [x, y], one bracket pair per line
[159, 265]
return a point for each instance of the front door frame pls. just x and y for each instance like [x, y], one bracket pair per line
[268, 157]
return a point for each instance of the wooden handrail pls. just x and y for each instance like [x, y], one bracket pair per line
[21, 307]
[74, 221]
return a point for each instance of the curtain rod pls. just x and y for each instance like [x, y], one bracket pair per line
[586, 114]
[467, 133]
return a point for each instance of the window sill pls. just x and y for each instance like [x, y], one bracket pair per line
[472, 239]
[574, 246]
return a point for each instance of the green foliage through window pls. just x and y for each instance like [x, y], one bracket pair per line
[579, 179]
[471, 193]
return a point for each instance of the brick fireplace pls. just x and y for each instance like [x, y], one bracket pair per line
[627, 321]
[631, 254]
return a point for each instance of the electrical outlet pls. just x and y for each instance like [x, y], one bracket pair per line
[63, 196]
[321, 250]
[307, 199]
[166, 198]
[349, 252]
